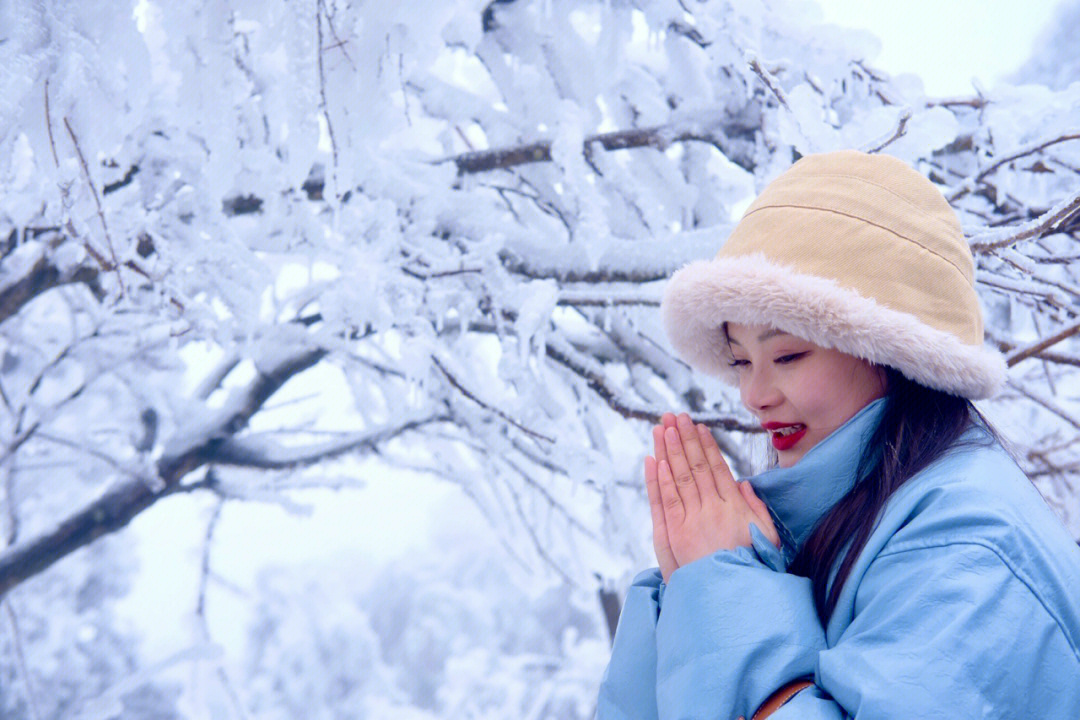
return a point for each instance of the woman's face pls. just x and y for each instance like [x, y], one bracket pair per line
[799, 391]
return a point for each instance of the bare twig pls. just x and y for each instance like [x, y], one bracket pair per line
[659, 137]
[93, 452]
[472, 396]
[969, 184]
[200, 609]
[1005, 345]
[1046, 402]
[245, 452]
[901, 130]
[319, 12]
[339, 44]
[20, 656]
[97, 200]
[531, 532]
[561, 352]
[1036, 348]
[48, 125]
[770, 82]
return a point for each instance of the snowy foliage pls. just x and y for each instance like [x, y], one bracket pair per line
[448, 636]
[436, 232]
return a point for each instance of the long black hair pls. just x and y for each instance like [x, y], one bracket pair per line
[917, 426]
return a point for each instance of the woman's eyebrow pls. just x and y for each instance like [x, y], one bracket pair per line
[770, 334]
[761, 338]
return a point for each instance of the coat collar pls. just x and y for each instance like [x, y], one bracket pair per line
[801, 494]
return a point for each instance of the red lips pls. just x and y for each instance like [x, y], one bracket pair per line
[784, 442]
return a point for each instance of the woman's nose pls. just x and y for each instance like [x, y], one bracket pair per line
[759, 390]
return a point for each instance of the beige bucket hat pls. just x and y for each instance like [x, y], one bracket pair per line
[850, 251]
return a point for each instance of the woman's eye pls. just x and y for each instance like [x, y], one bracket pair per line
[784, 359]
[738, 363]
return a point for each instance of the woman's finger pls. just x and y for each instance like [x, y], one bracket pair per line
[700, 468]
[680, 469]
[761, 510]
[659, 446]
[661, 543]
[670, 500]
[725, 481]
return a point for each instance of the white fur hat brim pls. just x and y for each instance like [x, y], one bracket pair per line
[753, 290]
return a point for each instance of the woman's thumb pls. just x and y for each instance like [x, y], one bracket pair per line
[758, 507]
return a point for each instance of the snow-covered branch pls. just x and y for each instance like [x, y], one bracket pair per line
[659, 138]
[968, 184]
[189, 449]
[29, 272]
[1053, 220]
[261, 454]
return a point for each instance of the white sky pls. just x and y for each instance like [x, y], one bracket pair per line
[947, 42]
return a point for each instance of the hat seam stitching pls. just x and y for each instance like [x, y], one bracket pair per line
[914, 242]
[889, 190]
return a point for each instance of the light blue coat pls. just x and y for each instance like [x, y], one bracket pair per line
[965, 603]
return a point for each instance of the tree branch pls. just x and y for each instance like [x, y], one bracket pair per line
[969, 184]
[456, 384]
[769, 81]
[250, 453]
[120, 504]
[115, 265]
[901, 130]
[43, 276]
[1046, 402]
[659, 137]
[561, 352]
[1024, 353]
[1046, 224]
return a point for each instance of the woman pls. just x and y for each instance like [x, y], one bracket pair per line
[896, 557]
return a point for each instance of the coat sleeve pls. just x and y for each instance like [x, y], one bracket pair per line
[628, 690]
[732, 631]
[938, 632]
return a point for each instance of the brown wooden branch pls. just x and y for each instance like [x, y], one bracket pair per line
[901, 130]
[1036, 348]
[1051, 357]
[48, 125]
[97, 199]
[500, 159]
[125, 500]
